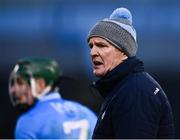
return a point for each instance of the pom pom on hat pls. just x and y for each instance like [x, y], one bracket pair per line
[118, 30]
[121, 13]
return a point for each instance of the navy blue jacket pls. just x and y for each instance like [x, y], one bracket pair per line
[135, 105]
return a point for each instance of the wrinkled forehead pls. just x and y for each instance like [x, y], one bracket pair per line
[97, 39]
[102, 41]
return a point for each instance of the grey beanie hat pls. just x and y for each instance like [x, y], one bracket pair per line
[118, 30]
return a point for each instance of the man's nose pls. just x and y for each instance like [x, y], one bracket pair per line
[94, 51]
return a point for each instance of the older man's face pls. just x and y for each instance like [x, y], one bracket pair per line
[105, 56]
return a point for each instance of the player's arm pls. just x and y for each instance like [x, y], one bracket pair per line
[25, 129]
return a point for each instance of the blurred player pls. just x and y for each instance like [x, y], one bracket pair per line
[45, 114]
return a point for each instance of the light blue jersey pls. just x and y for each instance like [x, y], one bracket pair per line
[55, 118]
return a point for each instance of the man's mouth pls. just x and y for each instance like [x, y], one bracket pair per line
[97, 63]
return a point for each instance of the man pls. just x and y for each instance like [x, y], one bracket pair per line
[33, 90]
[135, 105]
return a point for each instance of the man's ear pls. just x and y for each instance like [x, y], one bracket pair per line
[41, 84]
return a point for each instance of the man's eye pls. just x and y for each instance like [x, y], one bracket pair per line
[20, 81]
[102, 45]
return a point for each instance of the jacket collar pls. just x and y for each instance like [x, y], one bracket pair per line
[50, 96]
[106, 83]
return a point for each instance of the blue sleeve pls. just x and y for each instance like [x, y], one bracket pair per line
[90, 117]
[25, 128]
[92, 120]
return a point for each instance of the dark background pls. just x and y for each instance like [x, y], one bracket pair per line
[58, 29]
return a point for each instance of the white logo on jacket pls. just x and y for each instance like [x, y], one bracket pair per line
[156, 91]
[102, 116]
